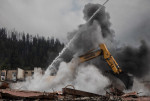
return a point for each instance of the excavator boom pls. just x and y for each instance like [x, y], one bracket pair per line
[89, 56]
[106, 54]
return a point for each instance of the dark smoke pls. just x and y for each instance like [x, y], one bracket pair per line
[135, 61]
[91, 34]
[101, 17]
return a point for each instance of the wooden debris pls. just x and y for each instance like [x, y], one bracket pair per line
[20, 94]
[80, 93]
[69, 94]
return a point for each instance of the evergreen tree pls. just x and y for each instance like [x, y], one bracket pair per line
[25, 51]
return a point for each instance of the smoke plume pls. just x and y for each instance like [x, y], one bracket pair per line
[135, 60]
[101, 17]
[91, 34]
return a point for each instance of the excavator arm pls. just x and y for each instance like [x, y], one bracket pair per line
[102, 51]
[117, 72]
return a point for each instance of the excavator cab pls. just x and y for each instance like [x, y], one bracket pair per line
[115, 69]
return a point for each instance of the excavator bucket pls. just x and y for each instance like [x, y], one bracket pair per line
[126, 79]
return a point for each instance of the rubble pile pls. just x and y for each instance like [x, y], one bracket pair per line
[69, 94]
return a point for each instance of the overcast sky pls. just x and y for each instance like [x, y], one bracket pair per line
[57, 17]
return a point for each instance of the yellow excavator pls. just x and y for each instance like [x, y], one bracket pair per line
[116, 70]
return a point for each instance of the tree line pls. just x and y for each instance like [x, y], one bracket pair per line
[26, 51]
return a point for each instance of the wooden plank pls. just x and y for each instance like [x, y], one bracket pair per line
[80, 93]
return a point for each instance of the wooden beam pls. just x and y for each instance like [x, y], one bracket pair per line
[79, 93]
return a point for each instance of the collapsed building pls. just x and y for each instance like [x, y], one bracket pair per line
[69, 94]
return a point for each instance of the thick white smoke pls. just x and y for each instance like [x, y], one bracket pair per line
[86, 78]
[90, 79]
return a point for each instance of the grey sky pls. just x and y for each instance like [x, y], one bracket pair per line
[57, 17]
